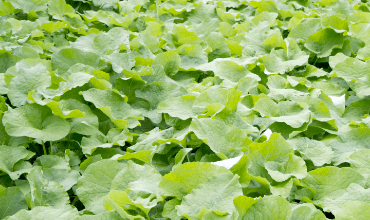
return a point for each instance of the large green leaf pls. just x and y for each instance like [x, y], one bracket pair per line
[96, 182]
[103, 43]
[114, 105]
[12, 201]
[181, 107]
[185, 177]
[36, 122]
[313, 150]
[346, 144]
[28, 80]
[221, 138]
[331, 182]
[57, 169]
[281, 61]
[354, 210]
[58, 8]
[170, 61]
[216, 194]
[305, 28]
[65, 212]
[135, 186]
[269, 208]
[138, 178]
[295, 166]
[66, 58]
[323, 42]
[291, 113]
[307, 211]
[44, 192]
[354, 192]
[12, 161]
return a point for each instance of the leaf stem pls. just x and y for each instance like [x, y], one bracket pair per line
[315, 61]
[74, 201]
[43, 147]
[187, 156]
[78, 6]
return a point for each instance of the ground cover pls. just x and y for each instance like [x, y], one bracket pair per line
[184, 109]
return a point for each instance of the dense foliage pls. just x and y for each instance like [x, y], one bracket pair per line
[185, 109]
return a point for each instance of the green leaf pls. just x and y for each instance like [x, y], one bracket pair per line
[170, 61]
[44, 192]
[66, 58]
[36, 122]
[307, 211]
[352, 69]
[7, 60]
[12, 200]
[90, 144]
[6, 9]
[12, 161]
[120, 61]
[137, 186]
[104, 3]
[215, 194]
[114, 106]
[221, 138]
[282, 189]
[305, 28]
[52, 27]
[269, 208]
[336, 23]
[313, 150]
[292, 113]
[274, 149]
[354, 192]
[28, 80]
[102, 216]
[169, 209]
[73, 80]
[323, 42]
[243, 203]
[64, 212]
[57, 169]
[155, 93]
[138, 178]
[96, 182]
[28, 6]
[295, 166]
[354, 210]
[66, 108]
[118, 200]
[191, 56]
[103, 43]
[58, 8]
[230, 70]
[331, 182]
[346, 144]
[281, 61]
[356, 73]
[211, 96]
[359, 162]
[181, 107]
[185, 177]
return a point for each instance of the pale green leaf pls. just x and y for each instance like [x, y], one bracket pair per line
[35, 121]
[215, 194]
